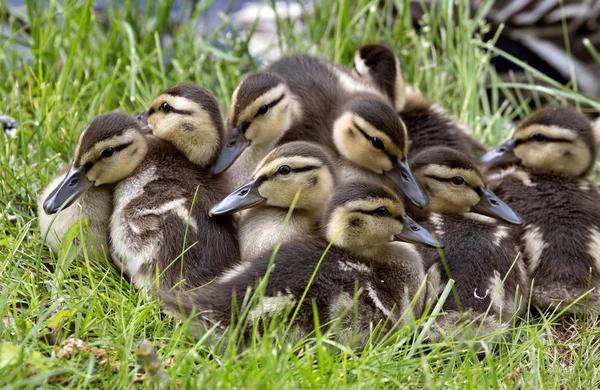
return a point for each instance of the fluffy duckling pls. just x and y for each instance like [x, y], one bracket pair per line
[427, 123]
[481, 256]
[155, 188]
[95, 205]
[552, 152]
[301, 168]
[362, 220]
[306, 98]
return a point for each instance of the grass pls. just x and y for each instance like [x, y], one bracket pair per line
[74, 65]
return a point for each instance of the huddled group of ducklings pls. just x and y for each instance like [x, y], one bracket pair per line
[384, 182]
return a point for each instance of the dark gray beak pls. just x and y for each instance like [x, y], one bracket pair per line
[402, 175]
[417, 234]
[503, 154]
[491, 206]
[245, 197]
[143, 117]
[68, 190]
[236, 143]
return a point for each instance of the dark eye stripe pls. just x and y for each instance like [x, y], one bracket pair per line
[302, 169]
[367, 212]
[547, 139]
[151, 111]
[443, 179]
[181, 112]
[118, 148]
[276, 101]
[121, 147]
[364, 133]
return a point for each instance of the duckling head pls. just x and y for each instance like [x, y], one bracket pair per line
[295, 167]
[455, 185]
[109, 150]
[189, 117]
[262, 108]
[555, 139]
[370, 134]
[377, 65]
[362, 214]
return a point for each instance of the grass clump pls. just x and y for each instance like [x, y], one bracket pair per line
[63, 63]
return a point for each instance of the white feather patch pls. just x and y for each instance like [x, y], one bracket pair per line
[534, 246]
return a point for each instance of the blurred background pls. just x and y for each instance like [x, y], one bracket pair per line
[556, 37]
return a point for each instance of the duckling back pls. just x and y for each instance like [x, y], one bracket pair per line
[561, 235]
[356, 283]
[160, 222]
[553, 150]
[483, 259]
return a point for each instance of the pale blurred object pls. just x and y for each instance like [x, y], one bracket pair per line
[265, 43]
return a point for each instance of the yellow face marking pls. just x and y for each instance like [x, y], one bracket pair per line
[314, 186]
[549, 131]
[354, 146]
[248, 113]
[94, 153]
[121, 164]
[446, 197]
[472, 178]
[270, 168]
[193, 134]
[353, 228]
[570, 158]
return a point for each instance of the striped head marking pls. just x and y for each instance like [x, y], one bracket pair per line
[109, 150]
[370, 134]
[556, 139]
[189, 117]
[260, 108]
[296, 168]
[361, 215]
[455, 185]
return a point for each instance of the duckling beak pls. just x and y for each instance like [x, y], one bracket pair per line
[69, 189]
[245, 197]
[142, 117]
[417, 234]
[402, 175]
[236, 143]
[503, 154]
[491, 206]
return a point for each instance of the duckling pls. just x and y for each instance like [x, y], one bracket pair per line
[481, 255]
[95, 205]
[427, 123]
[362, 220]
[552, 152]
[298, 167]
[323, 104]
[153, 226]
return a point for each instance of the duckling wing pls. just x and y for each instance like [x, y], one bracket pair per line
[560, 237]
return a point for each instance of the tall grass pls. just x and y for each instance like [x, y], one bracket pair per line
[73, 64]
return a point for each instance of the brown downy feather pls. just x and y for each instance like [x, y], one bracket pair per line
[427, 123]
[382, 280]
[480, 253]
[209, 245]
[561, 233]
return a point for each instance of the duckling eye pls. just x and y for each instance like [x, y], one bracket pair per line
[284, 170]
[262, 110]
[538, 137]
[382, 212]
[458, 180]
[377, 143]
[165, 107]
[106, 153]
